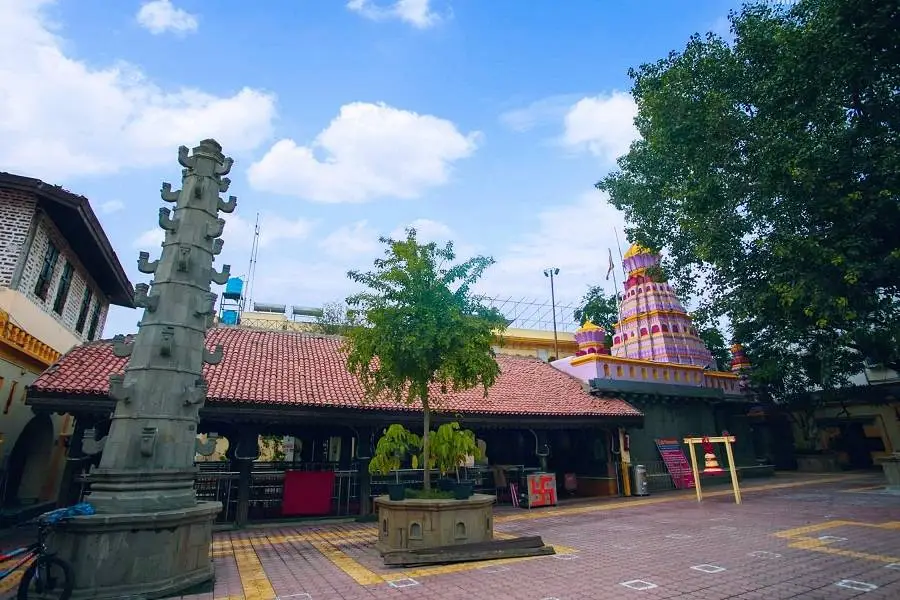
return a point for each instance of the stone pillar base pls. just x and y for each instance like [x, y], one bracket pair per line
[891, 467]
[141, 555]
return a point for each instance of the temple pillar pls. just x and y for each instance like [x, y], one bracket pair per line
[69, 490]
[364, 453]
[242, 453]
[150, 537]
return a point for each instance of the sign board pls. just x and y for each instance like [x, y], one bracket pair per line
[676, 463]
[541, 489]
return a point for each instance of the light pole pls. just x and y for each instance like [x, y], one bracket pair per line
[551, 273]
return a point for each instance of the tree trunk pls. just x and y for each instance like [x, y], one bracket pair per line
[426, 446]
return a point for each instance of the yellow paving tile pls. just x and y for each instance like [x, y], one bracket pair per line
[253, 577]
[799, 541]
[258, 587]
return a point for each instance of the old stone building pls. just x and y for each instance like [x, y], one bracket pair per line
[58, 277]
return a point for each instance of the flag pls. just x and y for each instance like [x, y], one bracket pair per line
[611, 265]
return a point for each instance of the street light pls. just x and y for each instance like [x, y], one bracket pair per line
[551, 273]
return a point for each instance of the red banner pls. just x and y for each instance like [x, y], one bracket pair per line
[676, 463]
[307, 493]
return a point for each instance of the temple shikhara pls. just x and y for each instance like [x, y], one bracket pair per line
[653, 324]
[654, 341]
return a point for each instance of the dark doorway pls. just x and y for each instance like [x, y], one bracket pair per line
[27, 466]
[856, 445]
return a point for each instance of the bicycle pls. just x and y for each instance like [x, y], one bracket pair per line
[39, 579]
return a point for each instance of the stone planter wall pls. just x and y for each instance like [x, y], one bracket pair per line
[891, 467]
[415, 524]
[818, 463]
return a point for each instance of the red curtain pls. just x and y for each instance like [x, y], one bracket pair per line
[307, 493]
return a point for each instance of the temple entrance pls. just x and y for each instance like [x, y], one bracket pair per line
[27, 466]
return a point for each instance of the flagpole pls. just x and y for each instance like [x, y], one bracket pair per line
[621, 256]
[615, 290]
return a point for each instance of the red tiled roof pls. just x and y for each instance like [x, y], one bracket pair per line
[274, 367]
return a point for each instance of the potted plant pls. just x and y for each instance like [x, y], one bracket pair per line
[451, 445]
[394, 445]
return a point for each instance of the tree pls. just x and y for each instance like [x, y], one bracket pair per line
[715, 343]
[335, 319]
[769, 170]
[423, 332]
[600, 309]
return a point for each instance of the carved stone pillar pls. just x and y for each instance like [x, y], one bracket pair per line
[151, 538]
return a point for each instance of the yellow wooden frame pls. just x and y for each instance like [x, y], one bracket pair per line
[728, 440]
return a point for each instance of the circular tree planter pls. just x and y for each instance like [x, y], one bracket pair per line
[417, 523]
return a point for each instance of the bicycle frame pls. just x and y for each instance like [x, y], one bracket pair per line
[30, 552]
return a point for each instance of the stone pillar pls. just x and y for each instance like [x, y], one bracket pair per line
[150, 536]
[891, 467]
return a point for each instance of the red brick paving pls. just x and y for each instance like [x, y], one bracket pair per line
[655, 543]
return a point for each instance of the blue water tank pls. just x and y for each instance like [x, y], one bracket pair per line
[234, 288]
[229, 317]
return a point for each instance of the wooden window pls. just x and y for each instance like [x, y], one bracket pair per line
[62, 292]
[83, 311]
[43, 282]
[95, 321]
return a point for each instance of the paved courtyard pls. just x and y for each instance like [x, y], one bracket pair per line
[829, 537]
[808, 537]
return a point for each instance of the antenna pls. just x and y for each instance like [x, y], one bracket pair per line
[251, 270]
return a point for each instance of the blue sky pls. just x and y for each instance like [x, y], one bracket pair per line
[485, 122]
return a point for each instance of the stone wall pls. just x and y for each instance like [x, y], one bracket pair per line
[16, 212]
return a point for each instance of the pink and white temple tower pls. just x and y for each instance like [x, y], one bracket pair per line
[653, 325]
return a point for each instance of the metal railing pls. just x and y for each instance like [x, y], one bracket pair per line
[216, 483]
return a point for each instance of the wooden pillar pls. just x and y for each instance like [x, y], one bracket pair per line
[242, 453]
[364, 453]
[69, 488]
[244, 469]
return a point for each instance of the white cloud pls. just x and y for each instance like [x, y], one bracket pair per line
[161, 16]
[426, 231]
[417, 13]
[602, 125]
[239, 232]
[575, 238]
[112, 206]
[61, 118]
[551, 109]
[351, 241]
[368, 151]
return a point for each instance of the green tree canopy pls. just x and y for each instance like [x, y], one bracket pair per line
[769, 168]
[336, 319]
[422, 329]
[715, 343]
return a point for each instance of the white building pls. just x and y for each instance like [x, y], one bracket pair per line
[58, 276]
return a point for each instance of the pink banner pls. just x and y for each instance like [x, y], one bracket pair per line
[676, 462]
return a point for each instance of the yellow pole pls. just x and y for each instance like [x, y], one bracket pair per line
[626, 456]
[695, 470]
[734, 479]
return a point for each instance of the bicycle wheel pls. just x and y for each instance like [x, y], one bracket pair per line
[48, 577]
